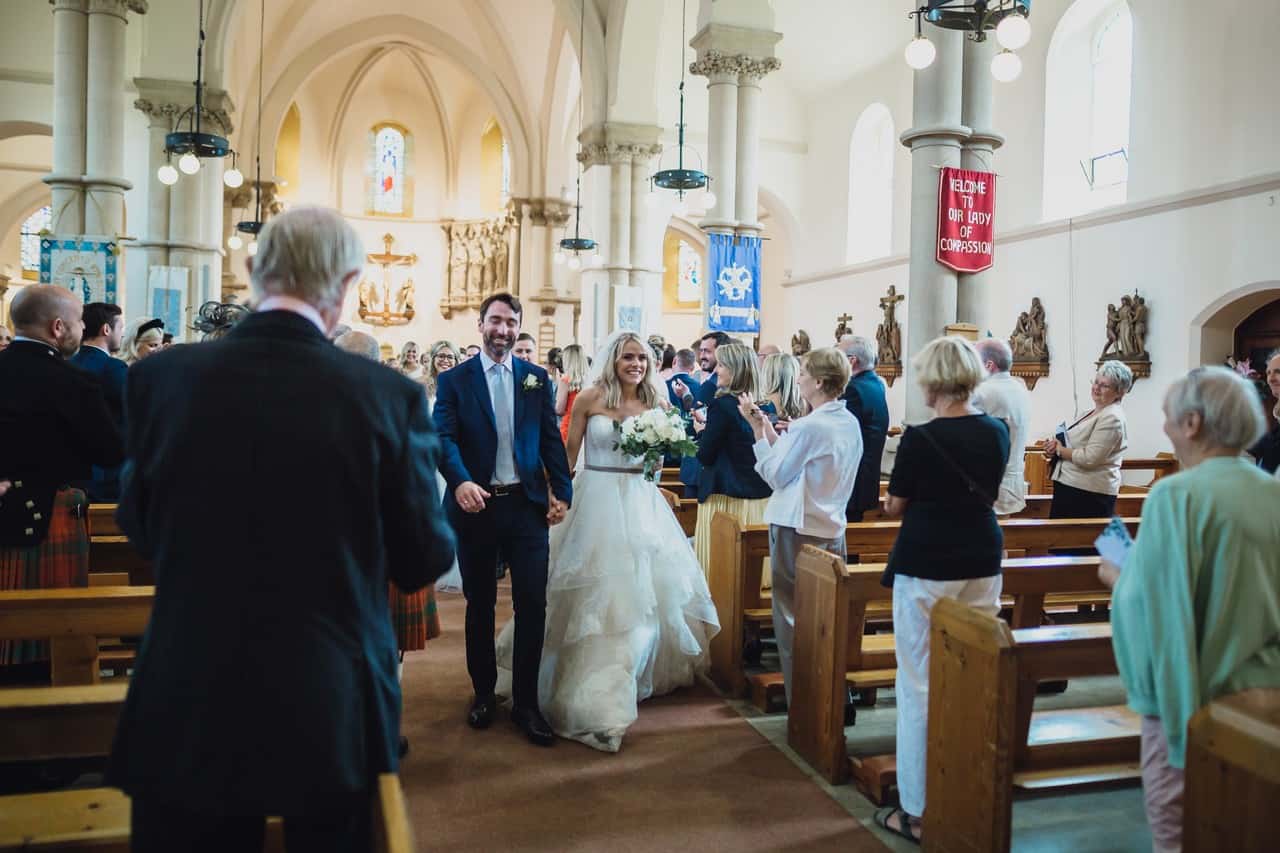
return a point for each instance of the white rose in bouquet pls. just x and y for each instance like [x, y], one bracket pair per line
[653, 435]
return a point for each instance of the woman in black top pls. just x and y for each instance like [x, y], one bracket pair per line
[728, 481]
[945, 479]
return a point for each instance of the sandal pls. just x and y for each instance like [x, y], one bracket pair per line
[903, 829]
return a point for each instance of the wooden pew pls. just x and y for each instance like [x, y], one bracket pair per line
[1036, 469]
[687, 515]
[97, 819]
[73, 620]
[833, 653]
[44, 723]
[1128, 505]
[985, 739]
[1233, 774]
[737, 560]
[112, 553]
[102, 520]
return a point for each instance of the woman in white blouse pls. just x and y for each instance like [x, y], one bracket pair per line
[811, 469]
[1086, 476]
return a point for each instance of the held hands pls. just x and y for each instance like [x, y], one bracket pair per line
[556, 509]
[470, 497]
[1049, 448]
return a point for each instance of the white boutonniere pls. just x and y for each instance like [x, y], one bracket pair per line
[531, 383]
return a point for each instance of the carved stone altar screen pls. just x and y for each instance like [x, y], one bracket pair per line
[379, 309]
[478, 261]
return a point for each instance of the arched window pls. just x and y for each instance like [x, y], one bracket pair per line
[41, 220]
[390, 184]
[288, 152]
[495, 168]
[1087, 105]
[871, 150]
[683, 262]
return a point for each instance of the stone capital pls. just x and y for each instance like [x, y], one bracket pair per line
[119, 8]
[752, 71]
[726, 51]
[165, 100]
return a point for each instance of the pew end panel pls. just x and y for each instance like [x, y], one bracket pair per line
[818, 667]
[1233, 774]
[971, 731]
[46, 723]
[724, 578]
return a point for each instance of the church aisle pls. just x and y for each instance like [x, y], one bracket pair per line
[692, 774]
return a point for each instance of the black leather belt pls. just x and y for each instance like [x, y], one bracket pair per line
[496, 490]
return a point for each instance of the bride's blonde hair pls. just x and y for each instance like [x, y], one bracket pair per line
[612, 385]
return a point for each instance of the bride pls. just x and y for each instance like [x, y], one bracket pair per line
[629, 615]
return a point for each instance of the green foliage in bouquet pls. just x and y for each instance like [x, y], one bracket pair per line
[652, 436]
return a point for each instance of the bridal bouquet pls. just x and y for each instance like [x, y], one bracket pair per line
[652, 436]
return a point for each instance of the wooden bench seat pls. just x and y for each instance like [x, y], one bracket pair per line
[985, 738]
[115, 553]
[97, 819]
[833, 653]
[1128, 505]
[73, 620]
[43, 723]
[738, 553]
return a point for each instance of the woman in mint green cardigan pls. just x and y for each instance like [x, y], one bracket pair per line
[1194, 609]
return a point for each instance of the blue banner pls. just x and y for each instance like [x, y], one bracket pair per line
[734, 304]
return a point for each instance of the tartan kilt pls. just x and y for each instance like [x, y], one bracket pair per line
[60, 561]
[413, 617]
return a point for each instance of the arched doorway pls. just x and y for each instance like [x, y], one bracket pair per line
[1256, 337]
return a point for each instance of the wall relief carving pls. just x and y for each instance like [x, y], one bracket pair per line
[477, 262]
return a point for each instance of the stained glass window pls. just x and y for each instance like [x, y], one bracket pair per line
[388, 170]
[506, 171]
[689, 284]
[39, 221]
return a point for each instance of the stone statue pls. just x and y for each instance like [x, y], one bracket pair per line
[1029, 334]
[475, 267]
[500, 252]
[404, 299]
[1113, 331]
[1127, 329]
[889, 333]
[457, 291]
[1124, 337]
[488, 272]
[843, 328]
[800, 343]
[368, 297]
[1139, 327]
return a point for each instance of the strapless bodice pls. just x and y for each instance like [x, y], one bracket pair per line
[598, 447]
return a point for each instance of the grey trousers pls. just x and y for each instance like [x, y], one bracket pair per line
[784, 546]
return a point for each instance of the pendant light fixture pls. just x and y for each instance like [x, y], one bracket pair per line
[680, 179]
[1008, 18]
[578, 244]
[253, 226]
[193, 144]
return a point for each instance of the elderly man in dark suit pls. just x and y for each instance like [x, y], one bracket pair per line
[54, 425]
[103, 333]
[865, 400]
[266, 681]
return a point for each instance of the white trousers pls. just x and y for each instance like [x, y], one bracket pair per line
[913, 600]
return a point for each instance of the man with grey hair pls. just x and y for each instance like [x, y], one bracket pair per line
[864, 397]
[1005, 398]
[359, 343]
[266, 683]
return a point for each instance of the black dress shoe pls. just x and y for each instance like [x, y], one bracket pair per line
[535, 728]
[483, 710]
[404, 746]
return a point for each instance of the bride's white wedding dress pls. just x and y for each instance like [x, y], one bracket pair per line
[629, 614]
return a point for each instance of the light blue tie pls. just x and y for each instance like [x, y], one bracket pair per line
[504, 465]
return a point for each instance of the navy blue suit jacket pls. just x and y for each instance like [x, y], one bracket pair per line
[726, 455]
[469, 433]
[690, 468]
[864, 398]
[693, 387]
[111, 373]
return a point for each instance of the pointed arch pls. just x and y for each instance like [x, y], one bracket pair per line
[870, 209]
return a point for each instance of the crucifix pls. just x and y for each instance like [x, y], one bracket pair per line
[385, 311]
[843, 328]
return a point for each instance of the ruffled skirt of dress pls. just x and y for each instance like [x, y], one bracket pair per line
[629, 614]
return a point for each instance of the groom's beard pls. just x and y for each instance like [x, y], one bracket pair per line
[498, 344]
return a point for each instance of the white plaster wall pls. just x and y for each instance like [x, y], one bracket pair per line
[1182, 259]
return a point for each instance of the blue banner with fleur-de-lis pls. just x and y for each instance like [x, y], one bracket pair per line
[84, 265]
[734, 292]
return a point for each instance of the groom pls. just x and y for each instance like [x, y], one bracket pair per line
[497, 424]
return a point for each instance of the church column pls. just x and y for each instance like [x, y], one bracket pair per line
[934, 140]
[159, 123]
[104, 116]
[619, 265]
[722, 136]
[978, 153]
[70, 56]
[747, 185]
[645, 248]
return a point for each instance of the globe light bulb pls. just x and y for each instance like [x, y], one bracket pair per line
[708, 200]
[234, 242]
[252, 248]
[575, 262]
[558, 257]
[1013, 32]
[597, 260]
[681, 208]
[167, 174]
[651, 200]
[189, 163]
[920, 53]
[233, 177]
[1006, 66]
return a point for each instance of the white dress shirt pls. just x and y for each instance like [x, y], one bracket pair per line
[1004, 397]
[811, 469]
[500, 378]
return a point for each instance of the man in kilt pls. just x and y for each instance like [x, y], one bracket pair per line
[54, 426]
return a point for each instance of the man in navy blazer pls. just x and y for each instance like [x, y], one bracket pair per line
[103, 333]
[704, 394]
[501, 446]
[865, 400]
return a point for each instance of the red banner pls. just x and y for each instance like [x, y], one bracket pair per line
[966, 219]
